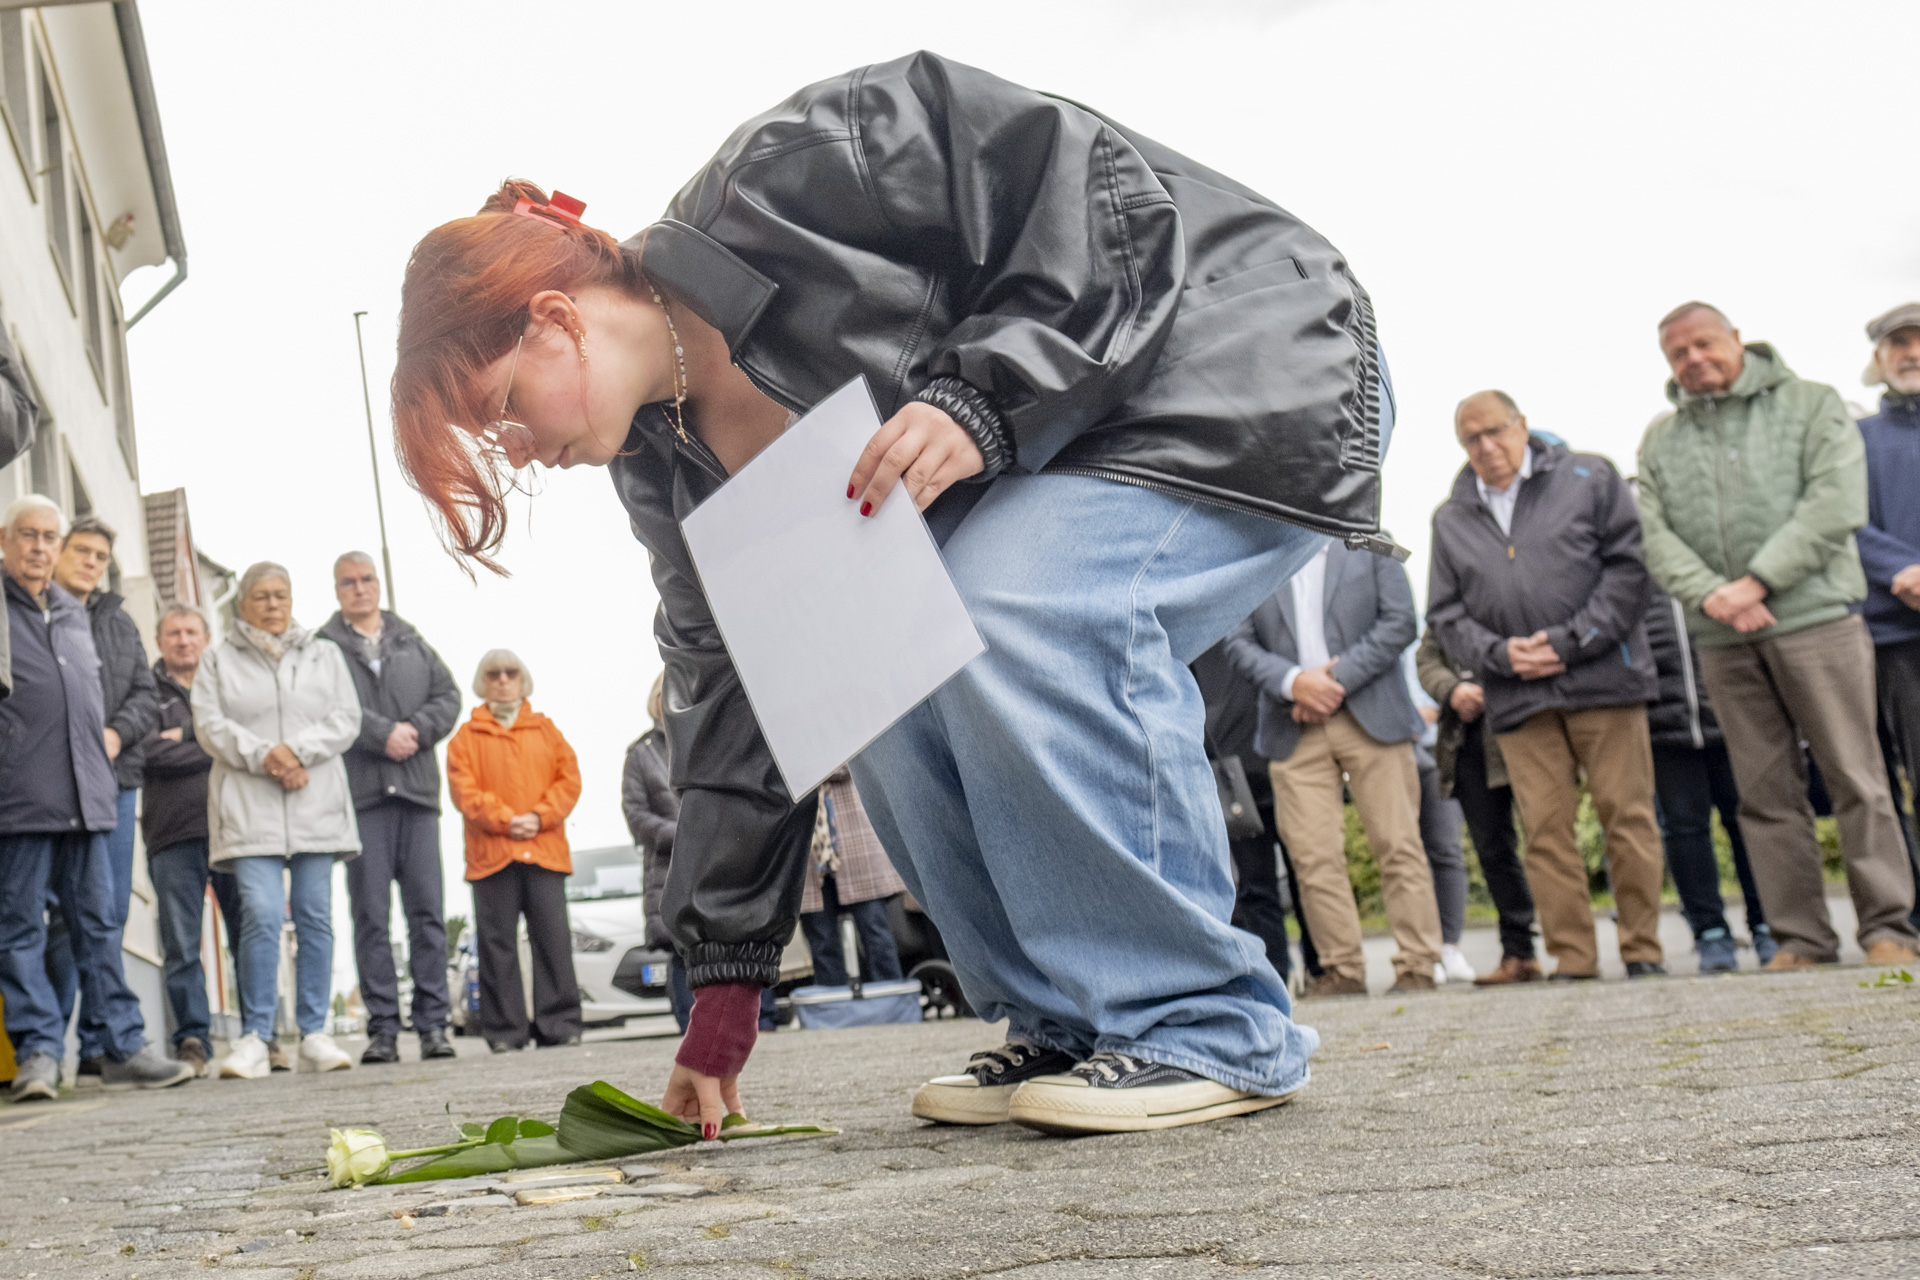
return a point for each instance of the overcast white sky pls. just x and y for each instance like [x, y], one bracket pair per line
[1524, 188]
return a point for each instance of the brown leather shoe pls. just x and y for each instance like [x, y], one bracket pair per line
[1785, 961]
[1409, 983]
[1332, 984]
[1512, 969]
[1888, 952]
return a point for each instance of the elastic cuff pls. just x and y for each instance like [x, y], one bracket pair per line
[967, 405]
[721, 1029]
[717, 962]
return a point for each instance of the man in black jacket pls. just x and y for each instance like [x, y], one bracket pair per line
[173, 818]
[408, 703]
[131, 707]
[1537, 584]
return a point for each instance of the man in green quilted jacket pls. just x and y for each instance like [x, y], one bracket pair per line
[1750, 491]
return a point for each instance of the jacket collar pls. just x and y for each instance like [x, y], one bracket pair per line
[166, 680]
[1762, 371]
[483, 722]
[393, 629]
[60, 604]
[712, 280]
[1900, 405]
[1546, 455]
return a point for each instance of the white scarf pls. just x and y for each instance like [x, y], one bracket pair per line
[271, 646]
[506, 712]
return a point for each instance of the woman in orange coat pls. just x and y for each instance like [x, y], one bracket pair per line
[516, 780]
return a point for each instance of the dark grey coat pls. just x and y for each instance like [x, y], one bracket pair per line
[54, 772]
[18, 417]
[1369, 622]
[414, 685]
[1572, 568]
[132, 702]
[653, 813]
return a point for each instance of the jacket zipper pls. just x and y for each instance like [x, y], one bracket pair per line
[280, 731]
[1719, 488]
[1686, 672]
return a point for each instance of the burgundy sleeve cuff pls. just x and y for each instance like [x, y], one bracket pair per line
[722, 1028]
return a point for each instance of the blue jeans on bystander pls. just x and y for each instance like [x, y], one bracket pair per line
[74, 868]
[264, 898]
[61, 970]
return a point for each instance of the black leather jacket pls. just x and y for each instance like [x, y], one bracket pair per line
[1078, 297]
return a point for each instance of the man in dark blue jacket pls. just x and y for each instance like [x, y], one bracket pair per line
[408, 703]
[1890, 540]
[57, 806]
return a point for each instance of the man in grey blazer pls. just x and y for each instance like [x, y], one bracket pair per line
[1324, 652]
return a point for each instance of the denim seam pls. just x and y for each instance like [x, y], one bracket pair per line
[1133, 631]
[1201, 1066]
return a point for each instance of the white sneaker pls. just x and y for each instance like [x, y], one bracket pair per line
[1439, 974]
[320, 1053]
[1455, 965]
[247, 1061]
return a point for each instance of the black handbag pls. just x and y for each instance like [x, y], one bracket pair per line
[1236, 799]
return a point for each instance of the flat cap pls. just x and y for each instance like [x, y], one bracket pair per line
[1906, 316]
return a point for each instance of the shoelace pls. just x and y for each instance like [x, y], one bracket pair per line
[1000, 1061]
[1102, 1064]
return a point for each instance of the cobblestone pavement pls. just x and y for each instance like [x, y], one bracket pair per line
[1742, 1126]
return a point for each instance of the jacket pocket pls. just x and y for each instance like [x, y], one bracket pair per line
[1268, 275]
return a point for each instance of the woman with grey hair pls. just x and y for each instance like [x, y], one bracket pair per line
[516, 780]
[274, 705]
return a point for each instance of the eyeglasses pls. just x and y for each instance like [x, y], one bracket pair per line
[504, 673]
[513, 439]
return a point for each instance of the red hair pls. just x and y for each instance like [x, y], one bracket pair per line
[463, 304]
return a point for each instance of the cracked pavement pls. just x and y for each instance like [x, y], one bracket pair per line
[1750, 1126]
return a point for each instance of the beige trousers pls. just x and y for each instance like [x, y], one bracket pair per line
[1545, 756]
[1308, 809]
[1815, 684]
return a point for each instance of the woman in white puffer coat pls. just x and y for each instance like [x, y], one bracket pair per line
[274, 705]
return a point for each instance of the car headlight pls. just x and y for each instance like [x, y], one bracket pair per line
[586, 941]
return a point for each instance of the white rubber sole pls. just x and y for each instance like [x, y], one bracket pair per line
[946, 1100]
[1063, 1105]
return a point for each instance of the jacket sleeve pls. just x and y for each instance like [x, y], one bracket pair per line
[1377, 652]
[1462, 636]
[435, 718]
[1833, 500]
[1255, 662]
[476, 803]
[633, 796]
[339, 728]
[1882, 555]
[1618, 601]
[226, 740]
[1677, 567]
[1436, 674]
[169, 759]
[564, 791]
[139, 712]
[1064, 248]
[19, 415]
[649, 822]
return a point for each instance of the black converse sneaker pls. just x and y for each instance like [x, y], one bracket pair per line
[979, 1095]
[1119, 1093]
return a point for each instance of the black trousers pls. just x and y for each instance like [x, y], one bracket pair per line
[1689, 785]
[1258, 904]
[1897, 672]
[822, 930]
[399, 844]
[499, 902]
[1489, 814]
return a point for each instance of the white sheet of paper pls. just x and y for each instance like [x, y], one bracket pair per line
[838, 623]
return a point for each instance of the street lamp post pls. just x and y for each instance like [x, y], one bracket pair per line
[373, 453]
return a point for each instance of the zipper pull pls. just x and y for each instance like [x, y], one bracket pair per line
[1509, 552]
[1378, 543]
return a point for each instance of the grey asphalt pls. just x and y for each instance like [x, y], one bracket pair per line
[1740, 1126]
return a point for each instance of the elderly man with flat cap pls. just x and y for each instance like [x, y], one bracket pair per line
[1751, 491]
[1890, 539]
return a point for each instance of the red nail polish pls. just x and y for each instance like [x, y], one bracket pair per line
[709, 1131]
[849, 491]
[866, 508]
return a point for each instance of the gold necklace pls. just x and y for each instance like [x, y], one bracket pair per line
[679, 368]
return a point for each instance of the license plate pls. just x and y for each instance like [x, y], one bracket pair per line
[653, 975]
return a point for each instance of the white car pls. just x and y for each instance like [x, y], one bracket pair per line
[620, 976]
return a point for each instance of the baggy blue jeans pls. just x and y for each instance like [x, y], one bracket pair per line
[1052, 805]
[61, 970]
[264, 898]
[72, 866]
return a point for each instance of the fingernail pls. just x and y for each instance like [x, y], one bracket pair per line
[709, 1131]
[849, 491]
[866, 508]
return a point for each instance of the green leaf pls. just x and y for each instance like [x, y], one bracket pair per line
[493, 1157]
[601, 1122]
[472, 1130]
[505, 1129]
[536, 1129]
[734, 1120]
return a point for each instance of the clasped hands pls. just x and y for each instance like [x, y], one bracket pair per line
[1741, 604]
[1316, 694]
[525, 826]
[1906, 586]
[1533, 657]
[402, 741]
[285, 768]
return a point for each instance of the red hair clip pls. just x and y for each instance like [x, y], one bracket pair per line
[562, 211]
